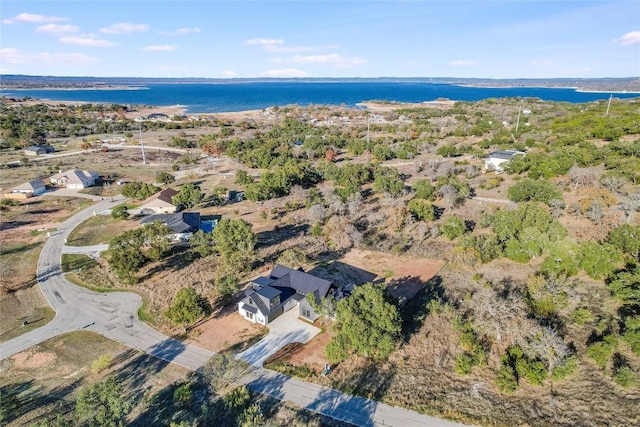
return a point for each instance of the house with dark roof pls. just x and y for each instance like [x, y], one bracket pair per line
[495, 160]
[36, 150]
[160, 203]
[284, 289]
[182, 224]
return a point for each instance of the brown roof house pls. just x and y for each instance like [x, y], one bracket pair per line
[283, 290]
[160, 203]
[35, 187]
[74, 179]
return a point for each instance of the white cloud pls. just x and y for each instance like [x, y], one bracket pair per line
[13, 56]
[159, 48]
[289, 72]
[265, 43]
[541, 62]
[57, 30]
[462, 63]
[125, 28]
[181, 32]
[229, 73]
[33, 19]
[632, 37]
[86, 40]
[574, 71]
[331, 59]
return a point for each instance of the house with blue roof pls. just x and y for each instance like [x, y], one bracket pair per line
[284, 289]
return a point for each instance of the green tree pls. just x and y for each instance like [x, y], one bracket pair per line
[202, 243]
[453, 227]
[120, 212]
[236, 242]
[227, 285]
[599, 260]
[533, 190]
[138, 190]
[165, 178]
[625, 285]
[424, 190]
[626, 238]
[243, 178]
[187, 307]
[367, 323]
[421, 209]
[102, 404]
[188, 196]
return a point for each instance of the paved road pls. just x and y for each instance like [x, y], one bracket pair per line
[114, 315]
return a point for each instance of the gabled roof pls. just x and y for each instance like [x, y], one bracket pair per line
[32, 185]
[302, 282]
[165, 196]
[181, 222]
[268, 292]
[75, 176]
[505, 154]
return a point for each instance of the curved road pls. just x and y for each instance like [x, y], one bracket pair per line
[114, 315]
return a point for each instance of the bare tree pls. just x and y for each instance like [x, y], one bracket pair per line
[581, 177]
[316, 213]
[354, 204]
[548, 346]
[341, 233]
[336, 205]
[557, 206]
[449, 193]
[503, 318]
[613, 183]
[595, 212]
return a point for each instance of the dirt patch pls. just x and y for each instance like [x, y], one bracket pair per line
[32, 359]
[310, 354]
[225, 331]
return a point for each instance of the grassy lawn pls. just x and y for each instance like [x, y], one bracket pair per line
[99, 229]
[18, 262]
[37, 318]
[72, 262]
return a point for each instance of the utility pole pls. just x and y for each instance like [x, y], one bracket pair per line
[608, 105]
[518, 121]
[144, 159]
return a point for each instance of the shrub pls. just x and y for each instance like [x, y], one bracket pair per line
[464, 364]
[625, 377]
[101, 363]
[182, 395]
[582, 316]
[120, 212]
[421, 209]
[601, 351]
[506, 379]
[454, 227]
[533, 190]
[569, 367]
[533, 371]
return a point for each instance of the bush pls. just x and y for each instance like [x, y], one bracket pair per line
[625, 377]
[120, 212]
[569, 367]
[506, 379]
[533, 190]
[454, 227]
[582, 316]
[182, 395]
[533, 371]
[421, 209]
[101, 363]
[601, 351]
[464, 364]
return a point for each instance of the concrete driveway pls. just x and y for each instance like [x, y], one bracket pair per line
[284, 330]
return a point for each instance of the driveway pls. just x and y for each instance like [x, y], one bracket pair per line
[286, 329]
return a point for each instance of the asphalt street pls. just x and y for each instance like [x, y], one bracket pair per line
[114, 316]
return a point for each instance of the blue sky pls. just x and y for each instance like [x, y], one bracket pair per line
[218, 39]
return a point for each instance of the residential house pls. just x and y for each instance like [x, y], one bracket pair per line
[160, 203]
[36, 150]
[284, 289]
[35, 187]
[182, 224]
[496, 159]
[74, 179]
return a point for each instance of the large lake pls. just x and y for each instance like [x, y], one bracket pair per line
[226, 97]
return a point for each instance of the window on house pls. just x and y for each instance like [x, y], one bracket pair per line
[249, 315]
[306, 313]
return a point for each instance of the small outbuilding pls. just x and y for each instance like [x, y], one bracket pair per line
[36, 150]
[35, 187]
[495, 161]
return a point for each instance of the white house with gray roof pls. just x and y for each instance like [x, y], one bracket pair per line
[284, 289]
[495, 160]
[75, 179]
